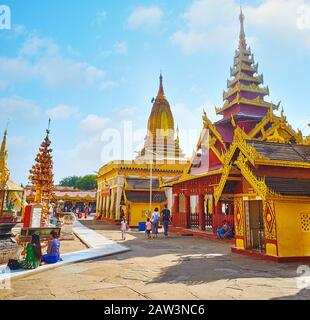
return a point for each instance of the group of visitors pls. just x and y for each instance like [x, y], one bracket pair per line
[80, 213]
[32, 253]
[152, 223]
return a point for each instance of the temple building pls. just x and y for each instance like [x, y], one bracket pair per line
[250, 169]
[133, 187]
[67, 198]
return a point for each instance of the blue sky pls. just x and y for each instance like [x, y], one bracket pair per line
[90, 65]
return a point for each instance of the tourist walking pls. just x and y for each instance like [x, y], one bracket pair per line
[155, 220]
[166, 219]
[123, 228]
[148, 228]
[86, 212]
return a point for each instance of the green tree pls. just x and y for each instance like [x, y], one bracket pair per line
[69, 181]
[88, 182]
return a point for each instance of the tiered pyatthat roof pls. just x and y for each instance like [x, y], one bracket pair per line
[244, 94]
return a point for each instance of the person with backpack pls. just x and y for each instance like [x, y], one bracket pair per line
[165, 219]
[155, 221]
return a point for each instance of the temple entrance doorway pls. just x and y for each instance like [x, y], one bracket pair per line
[254, 225]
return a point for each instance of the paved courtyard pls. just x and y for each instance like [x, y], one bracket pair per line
[179, 267]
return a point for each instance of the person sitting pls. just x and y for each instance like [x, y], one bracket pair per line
[32, 255]
[53, 254]
[221, 231]
[229, 234]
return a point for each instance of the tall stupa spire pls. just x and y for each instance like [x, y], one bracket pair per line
[161, 92]
[242, 41]
[4, 171]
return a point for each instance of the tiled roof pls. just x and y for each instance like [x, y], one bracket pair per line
[144, 196]
[281, 151]
[136, 183]
[287, 186]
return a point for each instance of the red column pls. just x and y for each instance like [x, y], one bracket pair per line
[175, 213]
[201, 213]
[187, 212]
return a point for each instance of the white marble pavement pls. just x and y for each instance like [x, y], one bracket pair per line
[99, 246]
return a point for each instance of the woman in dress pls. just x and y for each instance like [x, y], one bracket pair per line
[32, 253]
[53, 254]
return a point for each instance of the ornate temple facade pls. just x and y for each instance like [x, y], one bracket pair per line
[134, 186]
[251, 169]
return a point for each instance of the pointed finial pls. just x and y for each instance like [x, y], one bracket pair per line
[48, 127]
[242, 42]
[3, 144]
[161, 92]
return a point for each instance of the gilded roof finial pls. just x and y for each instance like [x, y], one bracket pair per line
[161, 92]
[242, 41]
[3, 144]
[48, 127]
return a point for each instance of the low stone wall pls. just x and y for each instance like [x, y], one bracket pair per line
[8, 250]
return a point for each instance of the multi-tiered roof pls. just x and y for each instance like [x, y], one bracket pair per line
[245, 94]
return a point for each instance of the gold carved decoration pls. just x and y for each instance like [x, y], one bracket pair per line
[239, 216]
[258, 184]
[269, 220]
[220, 187]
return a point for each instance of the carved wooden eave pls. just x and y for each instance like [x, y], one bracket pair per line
[306, 141]
[207, 124]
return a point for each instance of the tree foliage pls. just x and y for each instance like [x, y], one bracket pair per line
[88, 182]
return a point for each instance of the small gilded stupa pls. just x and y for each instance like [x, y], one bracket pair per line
[162, 140]
[42, 178]
[4, 171]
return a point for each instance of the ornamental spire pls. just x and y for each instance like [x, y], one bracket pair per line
[242, 41]
[3, 144]
[161, 93]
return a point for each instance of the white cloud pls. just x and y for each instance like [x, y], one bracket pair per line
[62, 112]
[40, 58]
[127, 112]
[212, 24]
[145, 18]
[35, 45]
[94, 124]
[18, 108]
[121, 48]
[99, 18]
[107, 84]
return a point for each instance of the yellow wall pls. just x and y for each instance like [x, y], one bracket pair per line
[138, 212]
[292, 240]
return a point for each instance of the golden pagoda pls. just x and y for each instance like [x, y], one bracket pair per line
[133, 187]
[160, 140]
